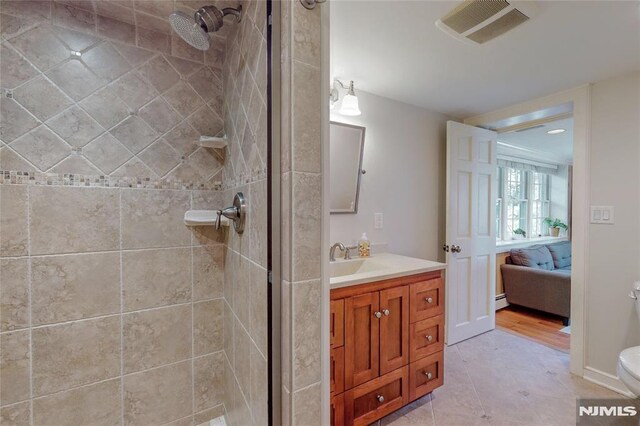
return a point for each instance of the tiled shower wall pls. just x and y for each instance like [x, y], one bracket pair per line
[245, 290]
[112, 311]
[102, 88]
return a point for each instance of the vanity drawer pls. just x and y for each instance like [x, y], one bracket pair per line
[337, 370]
[427, 299]
[377, 398]
[337, 323]
[425, 375]
[337, 410]
[426, 337]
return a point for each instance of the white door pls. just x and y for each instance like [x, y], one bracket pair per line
[471, 231]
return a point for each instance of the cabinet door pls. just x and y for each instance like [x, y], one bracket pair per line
[394, 328]
[337, 323]
[337, 410]
[362, 328]
[337, 370]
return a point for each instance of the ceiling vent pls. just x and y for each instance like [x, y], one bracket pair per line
[478, 21]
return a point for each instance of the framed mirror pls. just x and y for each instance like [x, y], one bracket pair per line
[346, 144]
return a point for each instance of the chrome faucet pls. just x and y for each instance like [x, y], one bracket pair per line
[332, 251]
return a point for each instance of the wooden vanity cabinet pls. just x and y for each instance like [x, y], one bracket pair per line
[386, 346]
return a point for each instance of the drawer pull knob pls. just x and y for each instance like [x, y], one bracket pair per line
[380, 398]
[429, 300]
[386, 312]
[429, 338]
[429, 375]
[377, 314]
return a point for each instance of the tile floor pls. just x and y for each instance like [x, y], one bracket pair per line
[501, 379]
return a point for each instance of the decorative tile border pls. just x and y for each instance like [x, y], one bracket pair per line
[55, 179]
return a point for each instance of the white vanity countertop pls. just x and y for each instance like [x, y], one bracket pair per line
[379, 267]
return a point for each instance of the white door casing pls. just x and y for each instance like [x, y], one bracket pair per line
[471, 227]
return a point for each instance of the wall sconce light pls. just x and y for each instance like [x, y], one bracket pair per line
[349, 104]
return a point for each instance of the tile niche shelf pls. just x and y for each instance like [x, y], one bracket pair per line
[203, 218]
[213, 142]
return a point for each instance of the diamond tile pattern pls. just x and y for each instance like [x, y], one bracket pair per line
[85, 90]
[41, 98]
[41, 147]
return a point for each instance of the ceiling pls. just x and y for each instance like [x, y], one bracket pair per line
[394, 49]
[536, 144]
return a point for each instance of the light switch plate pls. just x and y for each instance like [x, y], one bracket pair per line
[602, 215]
[378, 220]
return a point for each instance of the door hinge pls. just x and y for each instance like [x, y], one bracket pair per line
[270, 277]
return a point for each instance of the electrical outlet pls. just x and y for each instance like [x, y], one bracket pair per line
[378, 221]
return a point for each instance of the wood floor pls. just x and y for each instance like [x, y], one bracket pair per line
[534, 325]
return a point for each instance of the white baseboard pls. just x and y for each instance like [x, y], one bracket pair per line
[606, 380]
[502, 302]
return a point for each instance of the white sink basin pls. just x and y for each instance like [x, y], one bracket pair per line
[378, 267]
[341, 268]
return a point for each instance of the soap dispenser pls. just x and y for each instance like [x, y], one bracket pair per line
[364, 247]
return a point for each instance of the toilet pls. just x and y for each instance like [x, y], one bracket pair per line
[629, 359]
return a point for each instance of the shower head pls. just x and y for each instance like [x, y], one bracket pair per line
[206, 20]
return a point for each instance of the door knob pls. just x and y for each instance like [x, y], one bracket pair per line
[386, 312]
[429, 299]
[429, 375]
[455, 249]
[377, 314]
[380, 398]
[429, 338]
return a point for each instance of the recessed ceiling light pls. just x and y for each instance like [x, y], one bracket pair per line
[556, 131]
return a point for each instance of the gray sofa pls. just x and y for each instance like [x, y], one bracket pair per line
[539, 277]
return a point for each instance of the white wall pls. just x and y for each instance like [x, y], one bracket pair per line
[404, 157]
[614, 250]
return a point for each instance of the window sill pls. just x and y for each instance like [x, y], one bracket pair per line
[505, 246]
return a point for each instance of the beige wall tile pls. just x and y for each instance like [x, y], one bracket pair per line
[306, 405]
[228, 335]
[158, 396]
[154, 218]
[242, 354]
[259, 386]
[307, 119]
[258, 328]
[208, 272]
[156, 337]
[258, 226]
[208, 376]
[241, 408]
[96, 405]
[13, 220]
[204, 417]
[75, 354]
[208, 323]
[72, 287]
[152, 278]
[307, 212]
[16, 415]
[306, 323]
[242, 290]
[14, 294]
[14, 367]
[68, 220]
[306, 31]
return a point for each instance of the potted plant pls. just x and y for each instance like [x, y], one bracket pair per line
[554, 226]
[520, 231]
